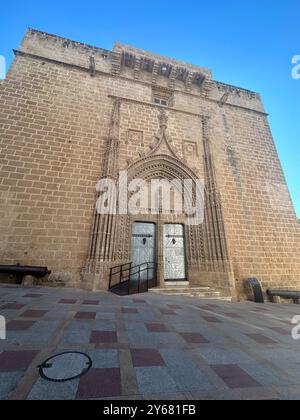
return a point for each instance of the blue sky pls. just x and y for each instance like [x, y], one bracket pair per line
[248, 44]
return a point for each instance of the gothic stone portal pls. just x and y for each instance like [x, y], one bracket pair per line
[182, 251]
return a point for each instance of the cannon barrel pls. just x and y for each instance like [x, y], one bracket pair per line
[24, 270]
[286, 294]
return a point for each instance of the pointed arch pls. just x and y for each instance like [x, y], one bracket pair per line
[162, 166]
[166, 167]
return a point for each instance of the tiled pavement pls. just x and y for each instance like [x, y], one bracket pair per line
[148, 346]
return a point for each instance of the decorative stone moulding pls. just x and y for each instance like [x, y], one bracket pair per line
[156, 68]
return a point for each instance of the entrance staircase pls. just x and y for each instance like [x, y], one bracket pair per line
[128, 280]
[184, 289]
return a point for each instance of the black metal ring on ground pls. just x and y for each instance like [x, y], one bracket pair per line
[58, 367]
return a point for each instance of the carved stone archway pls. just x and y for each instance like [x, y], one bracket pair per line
[206, 248]
[161, 167]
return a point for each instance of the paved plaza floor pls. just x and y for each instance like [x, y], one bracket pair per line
[148, 346]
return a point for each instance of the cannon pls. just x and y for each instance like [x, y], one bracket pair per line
[284, 294]
[27, 273]
[24, 270]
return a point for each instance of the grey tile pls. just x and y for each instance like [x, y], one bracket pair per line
[282, 357]
[104, 358]
[8, 382]
[51, 391]
[75, 337]
[155, 339]
[107, 316]
[215, 355]
[136, 326]
[265, 375]
[155, 380]
[186, 374]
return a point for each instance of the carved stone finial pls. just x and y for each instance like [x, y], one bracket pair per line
[115, 119]
[163, 119]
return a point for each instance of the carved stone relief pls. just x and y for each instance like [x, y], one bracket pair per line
[135, 137]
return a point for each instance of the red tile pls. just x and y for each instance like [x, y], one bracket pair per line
[68, 301]
[103, 337]
[91, 302]
[233, 315]
[194, 338]
[146, 357]
[19, 325]
[14, 360]
[175, 306]
[234, 376]
[279, 330]
[167, 312]
[157, 328]
[13, 306]
[213, 309]
[85, 315]
[129, 311]
[261, 339]
[212, 319]
[33, 314]
[261, 310]
[100, 383]
[283, 321]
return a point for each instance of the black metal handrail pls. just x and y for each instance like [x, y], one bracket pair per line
[119, 271]
[125, 273]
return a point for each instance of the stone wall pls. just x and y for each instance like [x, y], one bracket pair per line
[56, 109]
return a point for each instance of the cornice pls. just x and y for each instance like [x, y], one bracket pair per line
[144, 83]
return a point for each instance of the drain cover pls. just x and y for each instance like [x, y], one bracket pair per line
[65, 366]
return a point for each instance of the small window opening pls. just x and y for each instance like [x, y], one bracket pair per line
[162, 102]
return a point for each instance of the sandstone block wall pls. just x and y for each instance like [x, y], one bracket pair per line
[56, 108]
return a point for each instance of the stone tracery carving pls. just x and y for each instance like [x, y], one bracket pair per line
[205, 244]
[104, 226]
[216, 245]
[163, 119]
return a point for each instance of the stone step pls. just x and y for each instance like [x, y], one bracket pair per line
[179, 292]
[200, 291]
[184, 289]
[177, 283]
[211, 294]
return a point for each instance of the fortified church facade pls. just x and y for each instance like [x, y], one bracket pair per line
[72, 114]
